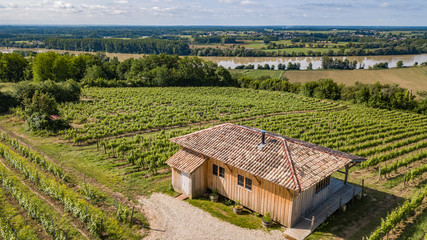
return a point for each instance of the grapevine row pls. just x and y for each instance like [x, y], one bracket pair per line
[96, 221]
[36, 207]
[398, 215]
[403, 162]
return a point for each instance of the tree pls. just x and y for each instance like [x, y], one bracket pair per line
[42, 66]
[399, 64]
[12, 67]
[310, 66]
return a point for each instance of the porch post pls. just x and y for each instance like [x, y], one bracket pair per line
[346, 174]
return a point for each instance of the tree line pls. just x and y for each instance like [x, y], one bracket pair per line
[377, 95]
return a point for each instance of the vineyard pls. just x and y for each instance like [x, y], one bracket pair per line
[78, 199]
[123, 137]
[111, 112]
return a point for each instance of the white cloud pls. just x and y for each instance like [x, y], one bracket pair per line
[120, 1]
[247, 2]
[62, 4]
[384, 4]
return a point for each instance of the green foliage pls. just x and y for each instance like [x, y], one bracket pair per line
[71, 201]
[147, 108]
[141, 46]
[378, 95]
[62, 92]
[322, 88]
[12, 221]
[398, 215]
[12, 67]
[7, 102]
[52, 222]
[399, 64]
[267, 217]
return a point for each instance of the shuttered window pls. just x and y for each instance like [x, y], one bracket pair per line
[240, 181]
[215, 170]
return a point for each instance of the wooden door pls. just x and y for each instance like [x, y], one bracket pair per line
[185, 183]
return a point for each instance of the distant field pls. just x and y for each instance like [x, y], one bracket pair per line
[411, 78]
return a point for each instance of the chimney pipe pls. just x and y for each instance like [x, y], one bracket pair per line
[262, 137]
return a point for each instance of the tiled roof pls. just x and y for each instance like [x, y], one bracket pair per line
[186, 160]
[285, 161]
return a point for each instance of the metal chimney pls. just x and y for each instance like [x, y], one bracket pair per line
[262, 137]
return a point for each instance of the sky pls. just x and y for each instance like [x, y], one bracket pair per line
[214, 12]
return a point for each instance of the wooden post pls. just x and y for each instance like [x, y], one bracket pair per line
[346, 174]
[97, 144]
[379, 174]
[340, 203]
[105, 150]
[404, 181]
[363, 187]
[312, 224]
[66, 234]
[131, 216]
[53, 224]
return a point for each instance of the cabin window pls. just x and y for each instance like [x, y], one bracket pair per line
[240, 180]
[221, 172]
[323, 184]
[248, 184]
[215, 169]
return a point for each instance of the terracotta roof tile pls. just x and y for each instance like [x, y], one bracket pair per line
[186, 160]
[289, 162]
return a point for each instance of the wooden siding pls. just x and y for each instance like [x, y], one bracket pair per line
[199, 181]
[176, 180]
[264, 197]
[198, 184]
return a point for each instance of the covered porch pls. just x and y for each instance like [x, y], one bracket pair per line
[340, 193]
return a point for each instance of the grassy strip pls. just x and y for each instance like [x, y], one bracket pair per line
[96, 220]
[52, 222]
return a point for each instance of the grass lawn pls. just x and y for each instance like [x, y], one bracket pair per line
[225, 213]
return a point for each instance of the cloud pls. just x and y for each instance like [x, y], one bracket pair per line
[120, 1]
[247, 2]
[228, 1]
[62, 4]
[384, 4]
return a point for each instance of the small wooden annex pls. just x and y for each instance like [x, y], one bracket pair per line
[266, 172]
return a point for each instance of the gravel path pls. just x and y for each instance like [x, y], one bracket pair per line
[173, 219]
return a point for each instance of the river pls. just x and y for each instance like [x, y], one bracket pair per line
[232, 62]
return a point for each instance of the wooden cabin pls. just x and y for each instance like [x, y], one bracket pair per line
[266, 172]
